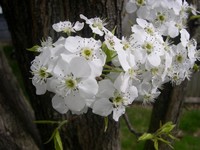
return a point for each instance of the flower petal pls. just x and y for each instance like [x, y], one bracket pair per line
[75, 102]
[117, 112]
[102, 107]
[58, 104]
[78, 26]
[88, 88]
[79, 67]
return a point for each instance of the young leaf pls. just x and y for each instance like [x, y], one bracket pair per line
[155, 144]
[167, 127]
[52, 136]
[109, 53]
[105, 123]
[146, 136]
[57, 141]
[34, 48]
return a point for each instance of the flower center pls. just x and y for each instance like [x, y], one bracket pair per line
[161, 17]
[179, 58]
[71, 83]
[140, 2]
[118, 100]
[126, 46]
[149, 30]
[87, 53]
[148, 47]
[154, 71]
[131, 72]
[98, 24]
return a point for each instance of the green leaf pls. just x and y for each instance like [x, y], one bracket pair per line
[172, 137]
[196, 68]
[34, 48]
[167, 127]
[52, 136]
[155, 144]
[105, 123]
[194, 17]
[146, 136]
[109, 53]
[62, 123]
[57, 141]
[164, 141]
[113, 31]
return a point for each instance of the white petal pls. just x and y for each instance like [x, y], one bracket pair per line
[143, 23]
[131, 7]
[173, 31]
[133, 93]
[61, 68]
[40, 88]
[79, 67]
[78, 26]
[121, 83]
[122, 55]
[184, 37]
[83, 17]
[106, 89]
[154, 60]
[102, 107]
[56, 27]
[58, 104]
[72, 43]
[96, 67]
[117, 112]
[88, 88]
[75, 102]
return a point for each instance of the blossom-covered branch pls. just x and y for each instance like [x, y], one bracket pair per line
[107, 74]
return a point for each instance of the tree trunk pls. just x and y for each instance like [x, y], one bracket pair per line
[166, 108]
[169, 104]
[17, 131]
[28, 22]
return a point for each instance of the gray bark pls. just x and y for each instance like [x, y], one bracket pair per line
[29, 21]
[17, 131]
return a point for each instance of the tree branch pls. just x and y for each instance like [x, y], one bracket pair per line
[130, 127]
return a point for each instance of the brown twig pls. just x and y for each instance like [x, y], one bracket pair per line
[130, 127]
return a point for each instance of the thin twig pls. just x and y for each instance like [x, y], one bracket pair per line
[131, 129]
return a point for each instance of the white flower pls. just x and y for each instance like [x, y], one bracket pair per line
[96, 24]
[90, 50]
[147, 93]
[45, 43]
[113, 98]
[111, 41]
[41, 70]
[71, 81]
[67, 27]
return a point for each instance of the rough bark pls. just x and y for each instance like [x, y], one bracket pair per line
[29, 21]
[169, 104]
[167, 107]
[17, 131]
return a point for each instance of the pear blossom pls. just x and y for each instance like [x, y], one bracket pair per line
[41, 70]
[72, 82]
[108, 73]
[147, 93]
[96, 24]
[113, 98]
[67, 27]
[90, 50]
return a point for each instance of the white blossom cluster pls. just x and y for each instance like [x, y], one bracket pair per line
[108, 75]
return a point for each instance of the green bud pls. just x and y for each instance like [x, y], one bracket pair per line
[146, 136]
[34, 48]
[196, 68]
